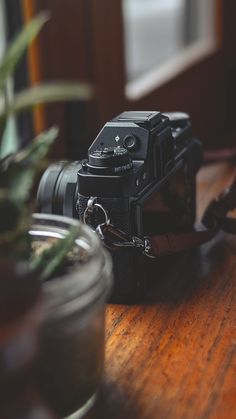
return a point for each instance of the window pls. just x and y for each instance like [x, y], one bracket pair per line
[162, 38]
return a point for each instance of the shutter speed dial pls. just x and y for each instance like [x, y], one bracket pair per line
[109, 160]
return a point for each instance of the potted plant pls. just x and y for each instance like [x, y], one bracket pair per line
[18, 170]
[72, 331]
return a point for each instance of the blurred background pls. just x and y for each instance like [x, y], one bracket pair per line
[161, 55]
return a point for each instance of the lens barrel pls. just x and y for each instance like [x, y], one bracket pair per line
[58, 189]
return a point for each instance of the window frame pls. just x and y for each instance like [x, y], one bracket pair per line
[193, 52]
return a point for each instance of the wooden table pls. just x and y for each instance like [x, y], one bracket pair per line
[176, 358]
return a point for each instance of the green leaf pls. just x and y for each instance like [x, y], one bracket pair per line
[45, 93]
[47, 261]
[19, 45]
[37, 149]
[18, 170]
[8, 138]
[15, 222]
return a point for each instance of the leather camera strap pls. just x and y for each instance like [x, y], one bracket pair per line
[170, 243]
[219, 155]
[214, 219]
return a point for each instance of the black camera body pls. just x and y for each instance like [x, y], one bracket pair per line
[141, 171]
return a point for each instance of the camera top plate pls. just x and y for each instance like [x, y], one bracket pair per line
[148, 119]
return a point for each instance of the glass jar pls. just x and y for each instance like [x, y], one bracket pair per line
[72, 335]
[20, 316]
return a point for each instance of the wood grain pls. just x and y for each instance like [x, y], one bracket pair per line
[175, 357]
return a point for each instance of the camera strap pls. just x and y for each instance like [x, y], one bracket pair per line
[214, 219]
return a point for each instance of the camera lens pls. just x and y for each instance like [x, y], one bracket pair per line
[109, 160]
[57, 192]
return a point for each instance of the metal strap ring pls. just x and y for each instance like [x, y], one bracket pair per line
[88, 210]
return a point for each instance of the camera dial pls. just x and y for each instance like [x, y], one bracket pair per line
[109, 160]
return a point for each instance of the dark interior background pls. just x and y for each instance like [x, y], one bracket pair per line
[84, 40]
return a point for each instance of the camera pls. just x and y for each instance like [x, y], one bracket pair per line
[139, 180]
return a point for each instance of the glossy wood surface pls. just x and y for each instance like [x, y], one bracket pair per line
[176, 357]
